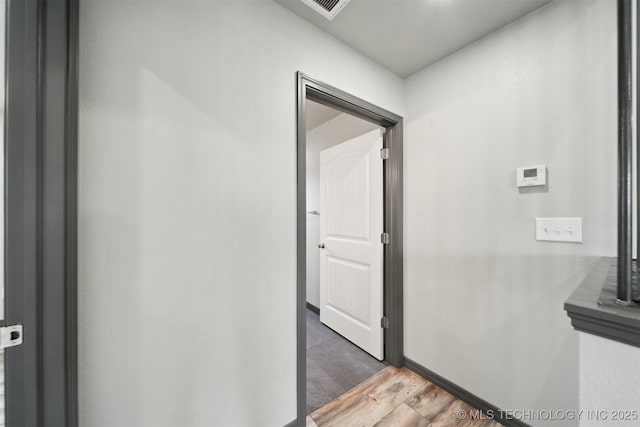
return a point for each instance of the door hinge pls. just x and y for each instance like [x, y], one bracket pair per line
[385, 238]
[10, 336]
[384, 322]
[384, 153]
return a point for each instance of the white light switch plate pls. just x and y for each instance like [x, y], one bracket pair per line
[559, 229]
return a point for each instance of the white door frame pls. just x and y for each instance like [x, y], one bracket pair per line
[314, 90]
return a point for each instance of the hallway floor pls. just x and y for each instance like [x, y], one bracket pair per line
[399, 398]
[334, 364]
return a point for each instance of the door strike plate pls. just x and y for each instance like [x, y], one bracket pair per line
[10, 336]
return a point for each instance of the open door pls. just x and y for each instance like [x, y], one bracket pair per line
[351, 226]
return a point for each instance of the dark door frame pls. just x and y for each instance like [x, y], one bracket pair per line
[40, 144]
[314, 90]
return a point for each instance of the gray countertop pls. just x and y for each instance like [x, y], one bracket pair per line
[592, 310]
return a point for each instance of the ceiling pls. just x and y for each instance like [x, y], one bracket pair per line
[318, 114]
[405, 36]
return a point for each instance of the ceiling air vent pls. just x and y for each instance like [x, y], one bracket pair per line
[327, 8]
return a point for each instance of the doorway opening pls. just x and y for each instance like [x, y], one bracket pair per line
[352, 134]
[344, 252]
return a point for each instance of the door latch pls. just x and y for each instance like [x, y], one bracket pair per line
[10, 336]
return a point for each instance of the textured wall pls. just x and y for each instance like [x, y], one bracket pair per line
[187, 239]
[609, 384]
[483, 298]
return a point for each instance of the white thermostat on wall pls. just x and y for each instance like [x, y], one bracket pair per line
[531, 176]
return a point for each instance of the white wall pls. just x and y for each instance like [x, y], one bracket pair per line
[483, 299]
[187, 239]
[337, 130]
[609, 382]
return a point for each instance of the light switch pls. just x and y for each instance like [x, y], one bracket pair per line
[559, 229]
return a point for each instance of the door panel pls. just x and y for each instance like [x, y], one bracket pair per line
[353, 300]
[351, 222]
[347, 196]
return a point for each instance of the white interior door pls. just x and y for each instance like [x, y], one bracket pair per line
[351, 255]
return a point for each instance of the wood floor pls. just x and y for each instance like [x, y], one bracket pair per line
[399, 398]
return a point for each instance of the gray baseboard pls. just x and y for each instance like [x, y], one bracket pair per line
[313, 308]
[293, 423]
[464, 395]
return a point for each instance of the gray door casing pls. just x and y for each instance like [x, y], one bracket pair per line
[314, 90]
[41, 211]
